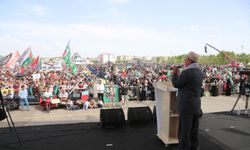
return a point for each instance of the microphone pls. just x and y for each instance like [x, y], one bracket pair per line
[179, 66]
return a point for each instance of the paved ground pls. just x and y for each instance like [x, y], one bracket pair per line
[35, 116]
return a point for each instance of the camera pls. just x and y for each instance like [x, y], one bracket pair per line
[245, 72]
[245, 83]
[247, 89]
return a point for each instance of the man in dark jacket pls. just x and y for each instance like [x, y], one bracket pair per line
[189, 83]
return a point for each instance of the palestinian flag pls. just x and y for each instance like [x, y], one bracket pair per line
[12, 62]
[27, 59]
[23, 56]
[4, 60]
[35, 62]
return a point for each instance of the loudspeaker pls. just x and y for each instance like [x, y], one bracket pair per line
[205, 49]
[2, 114]
[140, 115]
[154, 115]
[111, 118]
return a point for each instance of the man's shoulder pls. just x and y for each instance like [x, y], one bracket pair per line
[192, 70]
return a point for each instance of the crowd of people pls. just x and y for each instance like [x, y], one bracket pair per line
[88, 87]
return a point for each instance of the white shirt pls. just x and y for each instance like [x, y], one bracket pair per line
[100, 88]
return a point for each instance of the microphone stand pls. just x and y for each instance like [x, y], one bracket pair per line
[240, 94]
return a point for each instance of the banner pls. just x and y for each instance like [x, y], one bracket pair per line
[36, 76]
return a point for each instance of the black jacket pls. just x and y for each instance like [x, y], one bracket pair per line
[189, 84]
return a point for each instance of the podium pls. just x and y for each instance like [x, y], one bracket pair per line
[166, 112]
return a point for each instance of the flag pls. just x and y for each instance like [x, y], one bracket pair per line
[35, 62]
[24, 55]
[4, 60]
[67, 59]
[67, 55]
[22, 70]
[12, 62]
[85, 95]
[74, 69]
[28, 59]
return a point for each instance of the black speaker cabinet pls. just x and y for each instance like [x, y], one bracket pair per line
[2, 114]
[112, 118]
[154, 115]
[140, 115]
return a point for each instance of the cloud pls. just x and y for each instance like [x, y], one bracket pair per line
[108, 31]
[210, 36]
[195, 28]
[114, 31]
[39, 10]
[8, 39]
[118, 1]
[243, 24]
[87, 17]
[113, 37]
[90, 39]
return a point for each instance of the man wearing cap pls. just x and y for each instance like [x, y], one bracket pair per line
[189, 83]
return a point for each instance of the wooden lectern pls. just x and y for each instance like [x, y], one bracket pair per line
[166, 112]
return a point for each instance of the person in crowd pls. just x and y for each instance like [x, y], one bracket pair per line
[143, 89]
[86, 105]
[91, 90]
[100, 103]
[80, 85]
[56, 89]
[124, 94]
[23, 94]
[189, 83]
[79, 102]
[228, 87]
[63, 96]
[30, 89]
[111, 93]
[10, 94]
[100, 89]
[36, 90]
[47, 94]
[92, 104]
[70, 104]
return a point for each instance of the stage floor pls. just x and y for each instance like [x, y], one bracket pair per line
[218, 131]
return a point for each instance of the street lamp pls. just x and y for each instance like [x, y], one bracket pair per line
[242, 47]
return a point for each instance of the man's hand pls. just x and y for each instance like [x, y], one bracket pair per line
[175, 70]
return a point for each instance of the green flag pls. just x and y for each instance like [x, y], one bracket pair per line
[74, 69]
[67, 55]
[67, 59]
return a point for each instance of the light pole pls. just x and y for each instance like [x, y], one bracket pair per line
[242, 47]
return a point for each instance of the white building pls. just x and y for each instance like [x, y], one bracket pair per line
[106, 57]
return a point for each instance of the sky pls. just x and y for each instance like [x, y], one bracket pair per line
[124, 27]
